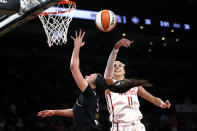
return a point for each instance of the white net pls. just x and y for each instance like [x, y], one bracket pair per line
[56, 21]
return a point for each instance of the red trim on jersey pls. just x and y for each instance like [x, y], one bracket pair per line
[112, 106]
[112, 127]
[107, 102]
[129, 101]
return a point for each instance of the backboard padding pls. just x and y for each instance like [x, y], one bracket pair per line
[19, 18]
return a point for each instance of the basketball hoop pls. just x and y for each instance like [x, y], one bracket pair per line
[56, 21]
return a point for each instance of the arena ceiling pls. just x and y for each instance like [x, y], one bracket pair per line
[171, 9]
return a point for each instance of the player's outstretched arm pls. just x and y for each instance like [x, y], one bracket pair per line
[155, 100]
[109, 70]
[74, 63]
[63, 112]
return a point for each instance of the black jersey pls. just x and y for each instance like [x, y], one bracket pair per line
[84, 110]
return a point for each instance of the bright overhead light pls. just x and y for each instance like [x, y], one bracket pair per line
[151, 43]
[163, 38]
[141, 27]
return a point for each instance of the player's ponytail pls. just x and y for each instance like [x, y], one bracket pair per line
[123, 86]
[100, 85]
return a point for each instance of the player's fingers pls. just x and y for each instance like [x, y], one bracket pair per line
[128, 43]
[125, 43]
[83, 43]
[72, 38]
[80, 32]
[83, 35]
[168, 103]
[76, 34]
[43, 116]
[46, 114]
[162, 105]
[39, 114]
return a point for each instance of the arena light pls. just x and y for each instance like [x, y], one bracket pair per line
[90, 15]
[172, 30]
[124, 19]
[176, 25]
[123, 34]
[84, 14]
[141, 27]
[186, 26]
[163, 38]
[149, 50]
[135, 20]
[151, 43]
[147, 21]
[164, 23]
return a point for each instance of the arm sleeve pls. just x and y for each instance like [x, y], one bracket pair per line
[109, 70]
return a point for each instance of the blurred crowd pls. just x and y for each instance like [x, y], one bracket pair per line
[36, 81]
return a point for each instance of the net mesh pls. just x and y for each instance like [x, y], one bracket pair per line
[56, 21]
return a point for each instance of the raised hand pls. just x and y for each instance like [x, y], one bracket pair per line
[46, 113]
[78, 39]
[123, 42]
[165, 105]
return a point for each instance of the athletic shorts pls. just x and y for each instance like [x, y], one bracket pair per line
[133, 126]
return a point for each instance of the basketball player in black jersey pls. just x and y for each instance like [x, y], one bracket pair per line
[85, 108]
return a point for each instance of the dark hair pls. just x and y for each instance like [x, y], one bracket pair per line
[101, 84]
[121, 86]
[126, 84]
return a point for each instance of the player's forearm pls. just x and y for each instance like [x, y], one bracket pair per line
[109, 70]
[64, 112]
[157, 101]
[74, 63]
[149, 97]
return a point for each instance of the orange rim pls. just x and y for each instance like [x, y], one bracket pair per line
[60, 12]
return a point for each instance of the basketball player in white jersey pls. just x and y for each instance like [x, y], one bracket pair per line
[124, 107]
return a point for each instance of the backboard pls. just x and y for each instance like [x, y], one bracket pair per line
[13, 13]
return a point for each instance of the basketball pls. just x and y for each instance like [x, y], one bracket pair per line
[105, 20]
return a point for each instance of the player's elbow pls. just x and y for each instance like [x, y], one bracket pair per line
[108, 76]
[72, 67]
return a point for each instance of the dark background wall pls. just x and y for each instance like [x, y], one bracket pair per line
[35, 77]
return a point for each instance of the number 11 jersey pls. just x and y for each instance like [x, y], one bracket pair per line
[124, 107]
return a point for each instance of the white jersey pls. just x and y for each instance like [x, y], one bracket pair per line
[124, 107]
